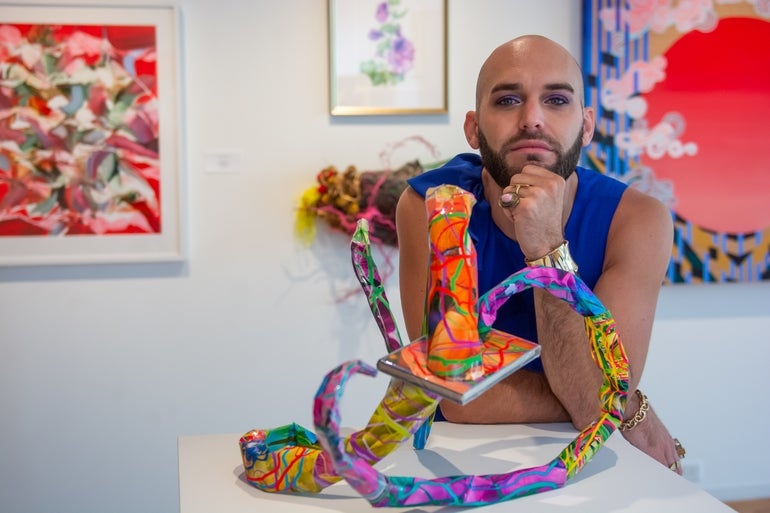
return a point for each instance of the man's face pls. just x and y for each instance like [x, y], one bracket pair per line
[495, 162]
[529, 110]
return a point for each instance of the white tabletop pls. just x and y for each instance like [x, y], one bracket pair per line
[619, 478]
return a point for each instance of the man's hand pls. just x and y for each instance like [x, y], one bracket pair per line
[538, 217]
[651, 437]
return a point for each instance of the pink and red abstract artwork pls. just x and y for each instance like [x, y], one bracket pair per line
[79, 130]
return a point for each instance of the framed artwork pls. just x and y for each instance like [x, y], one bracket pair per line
[387, 57]
[89, 135]
[682, 93]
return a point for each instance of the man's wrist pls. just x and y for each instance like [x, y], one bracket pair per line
[639, 414]
[560, 258]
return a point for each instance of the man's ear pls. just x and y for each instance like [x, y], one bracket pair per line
[471, 128]
[589, 124]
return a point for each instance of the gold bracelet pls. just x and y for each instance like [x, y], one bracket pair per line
[640, 414]
[560, 258]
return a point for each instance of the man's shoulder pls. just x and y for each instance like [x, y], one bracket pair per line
[463, 170]
[593, 185]
[462, 164]
[596, 182]
[587, 175]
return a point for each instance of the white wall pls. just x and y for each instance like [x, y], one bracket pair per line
[103, 367]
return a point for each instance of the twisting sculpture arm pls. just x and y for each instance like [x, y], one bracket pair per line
[292, 458]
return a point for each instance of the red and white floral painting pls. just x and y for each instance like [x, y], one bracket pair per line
[80, 132]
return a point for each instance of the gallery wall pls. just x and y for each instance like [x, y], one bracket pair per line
[103, 367]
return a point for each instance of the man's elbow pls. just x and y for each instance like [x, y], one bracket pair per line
[583, 418]
[455, 413]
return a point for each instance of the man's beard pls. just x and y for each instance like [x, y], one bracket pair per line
[500, 171]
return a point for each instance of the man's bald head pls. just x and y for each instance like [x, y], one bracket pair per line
[538, 53]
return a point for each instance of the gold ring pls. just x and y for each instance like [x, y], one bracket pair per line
[515, 198]
[679, 449]
[511, 203]
[520, 185]
[675, 466]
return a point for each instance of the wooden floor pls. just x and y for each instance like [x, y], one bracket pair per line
[753, 506]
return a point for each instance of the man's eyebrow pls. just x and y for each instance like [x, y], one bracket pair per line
[560, 86]
[506, 86]
[515, 86]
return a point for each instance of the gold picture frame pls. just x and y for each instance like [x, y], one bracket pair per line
[387, 57]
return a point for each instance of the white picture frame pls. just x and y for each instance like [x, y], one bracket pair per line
[138, 173]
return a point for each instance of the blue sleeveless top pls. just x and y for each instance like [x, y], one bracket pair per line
[498, 256]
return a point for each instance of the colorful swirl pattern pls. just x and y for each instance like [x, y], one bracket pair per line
[381, 490]
[291, 458]
[369, 277]
[608, 353]
[454, 345]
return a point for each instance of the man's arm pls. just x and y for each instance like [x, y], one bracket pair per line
[525, 396]
[413, 258]
[636, 258]
[637, 255]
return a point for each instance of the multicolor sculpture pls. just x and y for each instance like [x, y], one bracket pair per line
[454, 358]
[293, 459]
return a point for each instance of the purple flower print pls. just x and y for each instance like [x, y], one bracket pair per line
[401, 56]
[382, 13]
[393, 53]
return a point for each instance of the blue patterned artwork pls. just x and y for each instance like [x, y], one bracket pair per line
[682, 94]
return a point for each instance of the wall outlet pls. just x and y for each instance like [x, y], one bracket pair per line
[691, 470]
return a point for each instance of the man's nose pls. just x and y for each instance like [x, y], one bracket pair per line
[531, 116]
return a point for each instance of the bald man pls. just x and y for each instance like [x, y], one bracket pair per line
[536, 206]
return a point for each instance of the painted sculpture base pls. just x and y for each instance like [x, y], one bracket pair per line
[502, 355]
